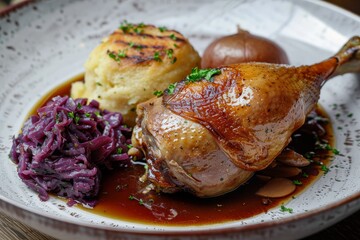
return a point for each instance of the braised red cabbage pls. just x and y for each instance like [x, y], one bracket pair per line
[64, 147]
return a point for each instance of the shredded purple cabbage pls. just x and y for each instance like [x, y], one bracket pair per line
[64, 147]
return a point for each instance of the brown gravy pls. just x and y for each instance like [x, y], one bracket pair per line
[121, 198]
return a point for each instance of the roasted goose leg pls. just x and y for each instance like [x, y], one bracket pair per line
[208, 137]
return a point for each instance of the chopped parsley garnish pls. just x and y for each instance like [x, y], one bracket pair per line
[87, 114]
[173, 60]
[326, 146]
[79, 106]
[325, 169]
[285, 209]
[297, 182]
[171, 88]
[131, 44]
[335, 151]
[126, 27]
[98, 83]
[140, 201]
[117, 56]
[71, 115]
[305, 175]
[198, 74]
[122, 53]
[139, 28]
[157, 57]
[162, 29]
[169, 53]
[97, 113]
[113, 56]
[173, 37]
[119, 150]
[77, 119]
[129, 146]
[158, 93]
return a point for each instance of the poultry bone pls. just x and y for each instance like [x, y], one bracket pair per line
[208, 137]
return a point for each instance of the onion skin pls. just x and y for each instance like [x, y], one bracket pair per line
[242, 47]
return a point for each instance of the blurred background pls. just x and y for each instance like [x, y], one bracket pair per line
[351, 5]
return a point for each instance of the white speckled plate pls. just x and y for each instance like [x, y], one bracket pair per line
[45, 43]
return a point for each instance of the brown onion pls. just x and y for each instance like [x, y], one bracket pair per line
[242, 47]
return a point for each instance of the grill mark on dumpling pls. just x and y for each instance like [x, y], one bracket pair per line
[147, 35]
[140, 57]
[141, 46]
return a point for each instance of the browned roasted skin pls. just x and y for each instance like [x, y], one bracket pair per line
[252, 109]
[182, 154]
[248, 112]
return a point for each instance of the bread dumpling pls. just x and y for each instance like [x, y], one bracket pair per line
[132, 63]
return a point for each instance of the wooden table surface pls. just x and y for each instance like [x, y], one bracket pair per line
[348, 228]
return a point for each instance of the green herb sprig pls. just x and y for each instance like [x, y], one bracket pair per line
[286, 209]
[171, 88]
[117, 56]
[199, 74]
[126, 27]
[162, 29]
[140, 201]
[326, 146]
[157, 57]
[297, 182]
[325, 169]
[158, 93]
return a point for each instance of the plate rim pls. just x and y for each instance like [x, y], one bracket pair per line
[182, 230]
[11, 8]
